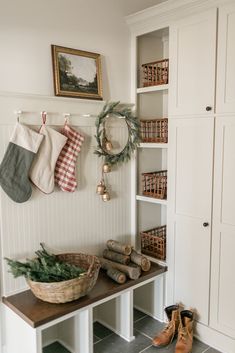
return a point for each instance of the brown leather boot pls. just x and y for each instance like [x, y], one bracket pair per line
[185, 332]
[168, 333]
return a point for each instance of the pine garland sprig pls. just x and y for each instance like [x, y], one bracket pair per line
[44, 268]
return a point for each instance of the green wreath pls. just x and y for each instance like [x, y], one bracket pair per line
[133, 133]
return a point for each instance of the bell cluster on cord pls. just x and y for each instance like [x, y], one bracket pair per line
[43, 158]
[106, 168]
[102, 186]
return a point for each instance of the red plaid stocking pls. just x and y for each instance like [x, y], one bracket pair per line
[66, 163]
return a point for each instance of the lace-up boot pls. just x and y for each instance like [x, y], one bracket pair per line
[168, 333]
[185, 332]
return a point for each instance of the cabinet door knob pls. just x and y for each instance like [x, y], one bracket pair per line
[208, 108]
[205, 224]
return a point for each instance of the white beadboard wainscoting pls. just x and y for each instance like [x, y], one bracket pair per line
[78, 221]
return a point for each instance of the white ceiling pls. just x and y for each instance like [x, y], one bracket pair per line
[128, 7]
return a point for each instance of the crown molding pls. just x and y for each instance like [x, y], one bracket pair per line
[163, 14]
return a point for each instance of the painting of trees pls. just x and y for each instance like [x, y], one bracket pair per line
[69, 81]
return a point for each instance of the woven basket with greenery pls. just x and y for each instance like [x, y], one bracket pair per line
[58, 291]
[66, 291]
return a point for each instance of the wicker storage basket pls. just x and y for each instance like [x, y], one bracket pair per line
[154, 130]
[66, 291]
[154, 184]
[155, 73]
[153, 242]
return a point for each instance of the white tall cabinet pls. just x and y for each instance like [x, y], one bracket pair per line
[192, 57]
[201, 160]
[223, 235]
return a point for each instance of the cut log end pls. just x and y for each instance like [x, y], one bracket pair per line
[114, 245]
[116, 275]
[140, 260]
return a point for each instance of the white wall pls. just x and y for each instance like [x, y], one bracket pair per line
[29, 27]
[79, 221]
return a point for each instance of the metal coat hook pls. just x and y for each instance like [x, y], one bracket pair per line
[18, 114]
[44, 117]
[66, 117]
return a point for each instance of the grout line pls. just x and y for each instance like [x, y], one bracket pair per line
[101, 339]
[140, 319]
[110, 334]
[207, 349]
[144, 334]
[145, 349]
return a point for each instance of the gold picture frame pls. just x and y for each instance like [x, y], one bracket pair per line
[77, 73]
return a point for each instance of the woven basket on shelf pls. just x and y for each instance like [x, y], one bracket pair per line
[155, 73]
[154, 184]
[153, 242]
[66, 291]
[154, 130]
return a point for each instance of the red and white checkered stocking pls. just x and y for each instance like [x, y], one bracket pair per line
[65, 176]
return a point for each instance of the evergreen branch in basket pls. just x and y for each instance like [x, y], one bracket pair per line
[45, 267]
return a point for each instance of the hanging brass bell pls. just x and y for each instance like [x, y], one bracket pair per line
[106, 196]
[100, 188]
[106, 168]
[108, 145]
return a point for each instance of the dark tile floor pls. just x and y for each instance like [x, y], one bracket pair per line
[105, 341]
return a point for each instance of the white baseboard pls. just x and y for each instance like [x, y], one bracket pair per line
[114, 330]
[69, 348]
[49, 342]
[214, 338]
[147, 313]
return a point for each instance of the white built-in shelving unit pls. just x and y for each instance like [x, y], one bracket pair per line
[151, 102]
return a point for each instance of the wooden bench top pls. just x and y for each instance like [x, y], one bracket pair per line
[36, 312]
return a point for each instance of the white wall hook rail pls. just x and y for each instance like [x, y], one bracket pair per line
[18, 114]
[66, 117]
[44, 116]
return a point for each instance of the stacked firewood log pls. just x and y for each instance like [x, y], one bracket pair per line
[122, 261]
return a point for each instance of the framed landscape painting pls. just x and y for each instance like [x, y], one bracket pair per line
[77, 73]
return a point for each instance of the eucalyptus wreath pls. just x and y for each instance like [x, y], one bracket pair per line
[120, 111]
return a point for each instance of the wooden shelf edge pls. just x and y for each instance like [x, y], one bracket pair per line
[152, 89]
[151, 199]
[157, 261]
[153, 145]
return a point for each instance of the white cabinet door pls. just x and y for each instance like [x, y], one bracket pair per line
[223, 240]
[192, 64]
[226, 58]
[190, 197]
